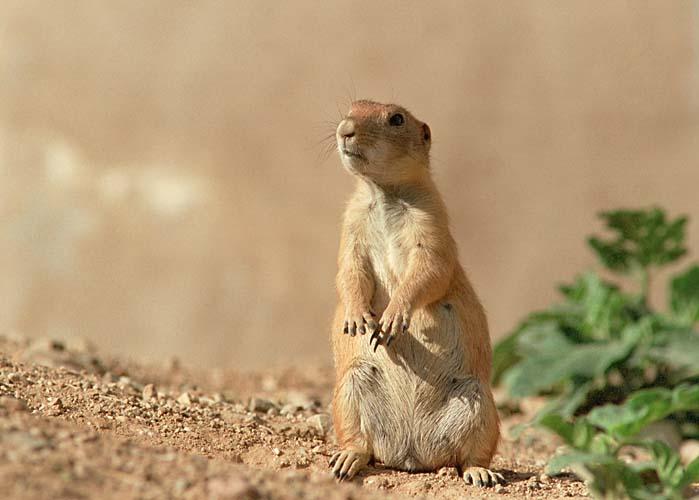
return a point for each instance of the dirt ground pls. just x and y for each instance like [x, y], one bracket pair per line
[77, 425]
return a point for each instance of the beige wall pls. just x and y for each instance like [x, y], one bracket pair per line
[162, 190]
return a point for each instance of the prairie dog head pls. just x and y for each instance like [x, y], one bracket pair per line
[384, 143]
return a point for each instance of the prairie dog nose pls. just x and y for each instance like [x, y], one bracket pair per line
[346, 128]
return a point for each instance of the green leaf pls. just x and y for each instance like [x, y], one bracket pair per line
[578, 434]
[504, 356]
[666, 462]
[599, 308]
[642, 238]
[571, 400]
[677, 349]
[691, 473]
[642, 408]
[605, 475]
[684, 295]
[567, 361]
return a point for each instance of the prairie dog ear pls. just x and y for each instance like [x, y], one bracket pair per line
[426, 133]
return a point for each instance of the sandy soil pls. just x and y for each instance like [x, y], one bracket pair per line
[76, 425]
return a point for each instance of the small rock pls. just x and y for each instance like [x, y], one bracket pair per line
[276, 451]
[533, 483]
[447, 472]
[544, 478]
[290, 409]
[230, 417]
[499, 488]
[254, 419]
[149, 392]
[300, 399]
[689, 450]
[302, 461]
[272, 412]
[47, 344]
[320, 423]
[56, 407]
[185, 399]
[665, 431]
[261, 405]
[79, 344]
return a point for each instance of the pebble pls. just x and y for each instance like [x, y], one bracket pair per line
[261, 405]
[319, 422]
[149, 392]
[447, 472]
[290, 409]
[184, 399]
[689, 450]
[533, 483]
[666, 431]
[499, 488]
[56, 407]
[300, 399]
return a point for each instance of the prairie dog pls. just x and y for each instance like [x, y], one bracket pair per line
[412, 389]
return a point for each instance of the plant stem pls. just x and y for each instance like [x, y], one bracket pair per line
[644, 281]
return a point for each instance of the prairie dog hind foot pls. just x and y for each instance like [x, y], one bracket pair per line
[480, 476]
[346, 463]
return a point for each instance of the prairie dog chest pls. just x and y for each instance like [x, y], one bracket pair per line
[392, 232]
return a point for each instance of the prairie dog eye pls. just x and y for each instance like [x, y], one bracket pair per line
[396, 120]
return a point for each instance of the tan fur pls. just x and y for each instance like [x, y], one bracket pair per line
[424, 401]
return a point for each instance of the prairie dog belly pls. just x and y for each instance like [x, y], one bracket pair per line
[408, 392]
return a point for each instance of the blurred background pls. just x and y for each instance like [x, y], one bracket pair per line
[163, 190]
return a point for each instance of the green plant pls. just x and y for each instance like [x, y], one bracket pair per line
[602, 343]
[612, 365]
[596, 440]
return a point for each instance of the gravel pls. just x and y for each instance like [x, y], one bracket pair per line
[74, 424]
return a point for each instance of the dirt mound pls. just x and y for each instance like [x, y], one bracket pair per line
[74, 425]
